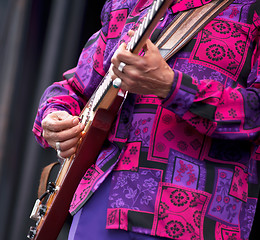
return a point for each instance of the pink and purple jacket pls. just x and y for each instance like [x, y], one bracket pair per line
[185, 167]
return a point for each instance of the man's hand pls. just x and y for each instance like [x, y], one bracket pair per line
[148, 74]
[60, 126]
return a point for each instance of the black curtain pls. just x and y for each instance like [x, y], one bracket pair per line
[39, 40]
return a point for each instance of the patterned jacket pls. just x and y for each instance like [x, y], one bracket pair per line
[184, 167]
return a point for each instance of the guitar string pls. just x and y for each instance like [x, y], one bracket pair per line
[105, 84]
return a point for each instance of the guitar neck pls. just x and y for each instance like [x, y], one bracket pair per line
[98, 116]
[153, 16]
[105, 94]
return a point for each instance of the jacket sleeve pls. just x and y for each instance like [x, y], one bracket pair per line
[72, 93]
[217, 110]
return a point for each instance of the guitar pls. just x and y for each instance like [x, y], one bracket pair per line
[51, 209]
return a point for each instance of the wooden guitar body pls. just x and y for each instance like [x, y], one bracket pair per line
[99, 114]
[73, 170]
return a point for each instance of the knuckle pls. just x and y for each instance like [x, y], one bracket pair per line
[47, 135]
[77, 131]
[44, 123]
[120, 54]
[73, 149]
[44, 134]
[113, 59]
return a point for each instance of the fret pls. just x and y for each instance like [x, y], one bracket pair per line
[153, 10]
[146, 19]
[157, 5]
[102, 89]
[143, 26]
[88, 112]
[107, 81]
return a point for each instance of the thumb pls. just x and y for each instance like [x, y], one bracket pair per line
[149, 47]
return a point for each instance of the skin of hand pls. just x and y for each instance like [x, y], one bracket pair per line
[144, 75]
[148, 74]
[60, 126]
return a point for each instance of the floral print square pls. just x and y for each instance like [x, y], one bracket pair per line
[135, 190]
[239, 186]
[224, 207]
[129, 160]
[140, 129]
[186, 172]
[222, 45]
[180, 212]
[172, 132]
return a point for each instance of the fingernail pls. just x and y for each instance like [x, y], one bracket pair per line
[75, 121]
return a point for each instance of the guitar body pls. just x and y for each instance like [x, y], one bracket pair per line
[73, 171]
[98, 116]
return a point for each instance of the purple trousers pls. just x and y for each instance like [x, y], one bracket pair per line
[90, 222]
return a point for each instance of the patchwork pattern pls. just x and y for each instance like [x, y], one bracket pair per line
[223, 207]
[129, 160]
[168, 133]
[135, 190]
[222, 45]
[117, 218]
[239, 185]
[186, 172]
[184, 163]
[85, 187]
[180, 212]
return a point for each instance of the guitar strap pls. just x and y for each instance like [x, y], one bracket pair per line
[179, 32]
[47, 176]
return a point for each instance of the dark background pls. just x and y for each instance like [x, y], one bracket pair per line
[39, 40]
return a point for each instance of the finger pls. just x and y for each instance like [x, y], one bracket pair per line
[56, 123]
[53, 137]
[131, 33]
[70, 143]
[129, 70]
[149, 46]
[68, 153]
[116, 73]
[124, 55]
[67, 133]
[120, 49]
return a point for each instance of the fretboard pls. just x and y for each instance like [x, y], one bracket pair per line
[157, 9]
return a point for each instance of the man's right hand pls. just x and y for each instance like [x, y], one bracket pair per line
[60, 126]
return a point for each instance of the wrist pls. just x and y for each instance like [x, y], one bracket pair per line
[168, 81]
